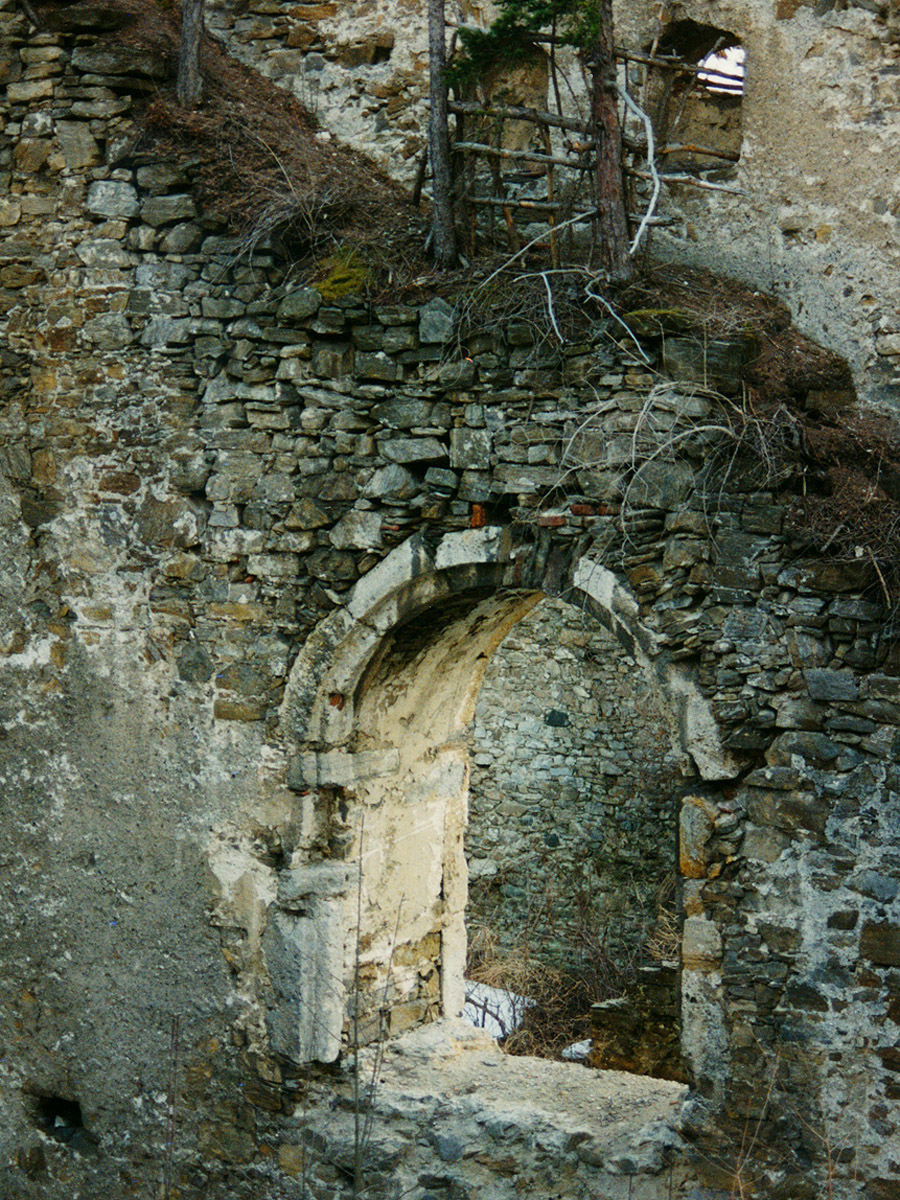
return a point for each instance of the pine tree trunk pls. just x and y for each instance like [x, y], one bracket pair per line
[612, 224]
[189, 85]
[443, 234]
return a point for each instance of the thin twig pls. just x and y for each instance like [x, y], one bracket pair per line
[379, 1050]
[556, 328]
[615, 316]
[29, 12]
[690, 148]
[692, 181]
[357, 995]
[683, 67]
[580, 217]
[171, 1101]
[884, 586]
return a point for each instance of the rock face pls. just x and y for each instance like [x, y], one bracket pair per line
[258, 549]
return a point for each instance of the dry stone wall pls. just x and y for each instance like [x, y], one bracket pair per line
[239, 557]
[572, 827]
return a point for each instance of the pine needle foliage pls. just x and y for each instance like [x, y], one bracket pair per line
[511, 37]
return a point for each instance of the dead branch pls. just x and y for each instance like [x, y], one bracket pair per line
[579, 217]
[682, 67]
[705, 150]
[516, 112]
[526, 155]
[29, 12]
[651, 164]
[615, 316]
[550, 309]
[688, 181]
[504, 202]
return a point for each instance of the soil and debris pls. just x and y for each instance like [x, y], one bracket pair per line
[476, 1080]
[257, 161]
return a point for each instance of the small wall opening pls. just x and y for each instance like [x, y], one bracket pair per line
[62, 1120]
[697, 111]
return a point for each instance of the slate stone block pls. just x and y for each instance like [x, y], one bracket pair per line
[879, 942]
[112, 198]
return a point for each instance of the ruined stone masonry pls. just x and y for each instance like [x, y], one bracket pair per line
[572, 792]
[246, 604]
[813, 207]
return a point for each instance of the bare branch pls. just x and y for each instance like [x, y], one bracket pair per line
[651, 163]
[550, 310]
[517, 112]
[580, 217]
[615, 316]
[691, 181]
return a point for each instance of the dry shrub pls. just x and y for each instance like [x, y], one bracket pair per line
[798, 429]
[664, 939]
[722, 307]
[259, 163]
[594, 966]
[850, 503]
[559, 1012]
[664, 935]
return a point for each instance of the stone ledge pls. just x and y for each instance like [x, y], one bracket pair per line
[338, 769]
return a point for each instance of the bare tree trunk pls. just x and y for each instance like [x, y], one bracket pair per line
[443, 234]
[612, 224]
[189, 85]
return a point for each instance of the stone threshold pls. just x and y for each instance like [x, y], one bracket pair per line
[450, 1113]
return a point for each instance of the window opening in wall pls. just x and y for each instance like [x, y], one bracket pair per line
[694, 89]
[62, 1120]
[573, 910]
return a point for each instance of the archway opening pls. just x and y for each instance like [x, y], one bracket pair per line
[611, 890]
[574, 920]
[414, 704]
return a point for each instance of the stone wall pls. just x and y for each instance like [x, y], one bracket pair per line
[571, 839]
[247, 595]
[797, 217]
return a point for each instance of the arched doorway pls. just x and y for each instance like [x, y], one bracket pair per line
[385, 694]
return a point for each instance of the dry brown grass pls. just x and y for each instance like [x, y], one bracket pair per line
[256, 160]
[559, 1000]
[564, 983]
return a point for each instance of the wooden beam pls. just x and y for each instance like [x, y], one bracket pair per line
[516, 112]
[526, 155]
